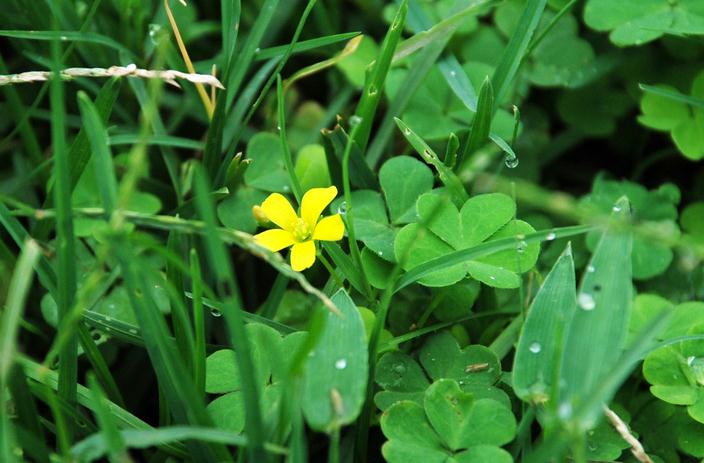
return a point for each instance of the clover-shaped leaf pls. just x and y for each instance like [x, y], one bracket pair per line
[452, 425]
[685, 123]
[336, 370]
[482, 218]
[371, 224]
[266, 171]
[635, 22]
[676, 374]
[222, 376]
[403, 179]
[655, 209]
[236, 211]
[475, 368]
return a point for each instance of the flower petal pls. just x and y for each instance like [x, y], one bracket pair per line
[274, 240]
[314, 202]
[277, 209]
[329, 229]
[302, 255]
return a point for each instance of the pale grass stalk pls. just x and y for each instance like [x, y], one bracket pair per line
[207, 102]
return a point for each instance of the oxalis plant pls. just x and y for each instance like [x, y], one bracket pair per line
[409, 231]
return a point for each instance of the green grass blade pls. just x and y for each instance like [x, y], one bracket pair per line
[540, 346]
[66, 262]
[230, 11]
[241, 64]
[485, 249]
[673, 95]
[66, 36]
[285, 150]
[49, 378]
[335, 142]
[418, 71]
[507, 69]
[374, 83]
[225, 275]
[597, 332]
[14, 307]
[156, 140]
[114, 444]
[102, 157]
[198, 324]
[95, 447]
[173, 375]
[447, 176]
[481, 125]
[28, 417]
[304, 45]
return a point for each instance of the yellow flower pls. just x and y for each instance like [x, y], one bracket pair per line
[300, 232]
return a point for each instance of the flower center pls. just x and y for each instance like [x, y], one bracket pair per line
[301, 230]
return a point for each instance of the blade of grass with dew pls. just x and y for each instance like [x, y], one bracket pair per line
[446, 175]
[485, 249]
[513, 55]
[598, 330]
[114, 444]
[673, 95]
[376, 76]
[66, 256]
[49, 378]
[230, 11]
[180, 318]
[14, 307]
[417, 72]
[305, 45]
[198, 323]
[65, 36]
[449, 66]
[540, 345]
[481, 124]
[172, 374]
[224, 273]
[240, 65]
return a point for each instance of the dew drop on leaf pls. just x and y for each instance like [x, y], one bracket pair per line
[551, 236]
[535, 347]
[511, 162]
[215, 312]
[586, 301]
[341, 364]
[342, 208]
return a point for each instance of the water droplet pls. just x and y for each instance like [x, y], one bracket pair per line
[278, 127]
[591, 269]
[535, 347]
[551, 236]
[215, 312]
[407, 131]
[372, 90]
[108, 319]
[492, 278]
[511, 162]
[63, 37]
[521, 247]
[690, 360]
[257, 50]
[616, 208]
[453, 73]
[355, 120]
[133, 331]
[341, 364]
[342, 208]
[285, 188]
[564, 411]
[586, 301]
[154, 30]
[399, 369]
[380, 253]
